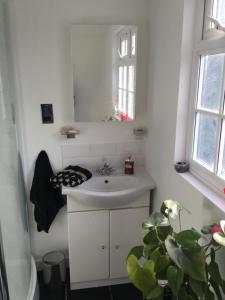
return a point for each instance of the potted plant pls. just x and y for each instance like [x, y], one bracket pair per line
[177, 265]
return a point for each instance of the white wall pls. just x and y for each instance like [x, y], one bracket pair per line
[168, 60]
[43, 42]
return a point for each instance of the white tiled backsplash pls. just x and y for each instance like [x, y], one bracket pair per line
[93, 155]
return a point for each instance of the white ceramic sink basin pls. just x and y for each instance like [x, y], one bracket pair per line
[109, 184]
[111, 191]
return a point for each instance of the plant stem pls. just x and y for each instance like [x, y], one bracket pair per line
[205, 250]
[215, 251]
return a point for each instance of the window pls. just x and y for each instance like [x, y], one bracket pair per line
[126, 70]
[207, 149]
[2, 100]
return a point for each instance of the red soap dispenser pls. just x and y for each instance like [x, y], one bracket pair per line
[129, 166]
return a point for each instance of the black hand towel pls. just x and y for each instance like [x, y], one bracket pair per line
[70, 176]
[47, 200]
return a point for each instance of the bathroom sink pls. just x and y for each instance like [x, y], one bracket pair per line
[111, 191]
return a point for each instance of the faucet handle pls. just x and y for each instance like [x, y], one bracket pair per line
[106, 169]
[107, 165]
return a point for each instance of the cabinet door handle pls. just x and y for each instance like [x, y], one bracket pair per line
[103, 247]
[117, 246]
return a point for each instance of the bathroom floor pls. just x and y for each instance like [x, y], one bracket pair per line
[116, 292]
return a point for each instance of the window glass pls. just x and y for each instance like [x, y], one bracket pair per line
[133, 44]
[221, 165]
[124, 109]
[124, 47]
[211, 82]
[205, 140]
[218, 11]
[120, 77]
[125, 77]
[131, 79]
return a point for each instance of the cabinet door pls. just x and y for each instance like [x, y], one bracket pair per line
[88, 245]
[125, 233]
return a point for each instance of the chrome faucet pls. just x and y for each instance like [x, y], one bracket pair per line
[105, 170]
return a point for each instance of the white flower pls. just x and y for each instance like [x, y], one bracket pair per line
[171, 208]
[218, 233]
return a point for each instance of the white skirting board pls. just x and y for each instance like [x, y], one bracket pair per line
[33, 293]
[98, 283]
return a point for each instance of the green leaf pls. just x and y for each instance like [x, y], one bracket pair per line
[156, 293]
[154, 220]
[207, 228]
[155, 237]
[151, 239]
[214, 272]
[175, 278]
[158, 298]
[189, 245]
[188, 240]
[164, 232]
[198, 287]
[184, 295]
[223, 286]
[193, 264]
[137, 251]
[174, 251]
[155, 255]
[209, 295]
[162, 265]
[142, 277]
[148, 249]
[193, 295]
[161, 262]
[191, 234]
[216, 289]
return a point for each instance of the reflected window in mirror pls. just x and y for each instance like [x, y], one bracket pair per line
[125, 72]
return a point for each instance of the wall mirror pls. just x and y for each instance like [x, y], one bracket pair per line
[104, 72]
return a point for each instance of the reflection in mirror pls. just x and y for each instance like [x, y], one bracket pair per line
[104, 72]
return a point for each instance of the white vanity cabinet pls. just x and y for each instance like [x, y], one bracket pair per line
[100, 240]
[125, 233]
[88, 245]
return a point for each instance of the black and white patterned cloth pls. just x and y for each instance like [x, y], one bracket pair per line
[71, 176]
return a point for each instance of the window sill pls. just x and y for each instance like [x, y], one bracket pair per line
[217, 199]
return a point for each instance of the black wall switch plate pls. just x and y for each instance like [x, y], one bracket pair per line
[47, 113]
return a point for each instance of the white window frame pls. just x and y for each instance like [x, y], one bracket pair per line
[202, 47]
